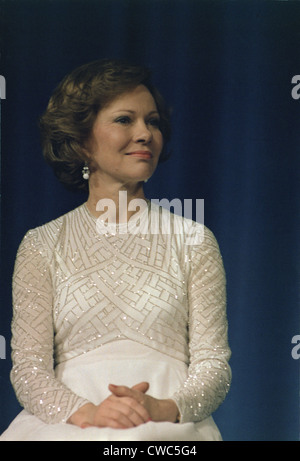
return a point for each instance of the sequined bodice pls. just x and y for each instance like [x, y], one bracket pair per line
[76, 288]
[116, 286]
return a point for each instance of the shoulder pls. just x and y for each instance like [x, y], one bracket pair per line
[194, 243]
[187, 231]
[46, 236]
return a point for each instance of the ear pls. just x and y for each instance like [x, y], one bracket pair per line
[86, 152]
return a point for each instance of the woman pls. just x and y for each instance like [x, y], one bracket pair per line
[135, 319]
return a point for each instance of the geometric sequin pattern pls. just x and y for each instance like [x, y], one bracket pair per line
[75, 289]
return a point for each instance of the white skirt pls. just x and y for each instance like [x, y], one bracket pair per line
[122, 363]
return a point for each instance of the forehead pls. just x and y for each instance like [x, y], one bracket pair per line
[136, 99]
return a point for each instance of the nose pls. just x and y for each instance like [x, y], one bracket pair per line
[142, 133]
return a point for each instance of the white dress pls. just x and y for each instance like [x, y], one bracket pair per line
[95, 305]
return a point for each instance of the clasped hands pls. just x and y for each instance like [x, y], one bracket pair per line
[124, 408]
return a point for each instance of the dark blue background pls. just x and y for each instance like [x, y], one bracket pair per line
[226, 70]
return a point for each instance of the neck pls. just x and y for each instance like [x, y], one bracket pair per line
[113, 203]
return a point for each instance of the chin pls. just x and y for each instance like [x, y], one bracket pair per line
[141, 179]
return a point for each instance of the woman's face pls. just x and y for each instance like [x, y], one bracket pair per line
[126, 140]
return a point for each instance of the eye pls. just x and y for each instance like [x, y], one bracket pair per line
[154, 122]
[124, 120]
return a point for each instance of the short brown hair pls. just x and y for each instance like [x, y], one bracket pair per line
[73, 107]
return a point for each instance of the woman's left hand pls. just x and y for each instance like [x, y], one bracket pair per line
[158, 409]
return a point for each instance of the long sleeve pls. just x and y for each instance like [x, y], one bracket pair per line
[209, 374]
[32, 375]
[68, 299]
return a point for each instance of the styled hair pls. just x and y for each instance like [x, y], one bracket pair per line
[67, 123]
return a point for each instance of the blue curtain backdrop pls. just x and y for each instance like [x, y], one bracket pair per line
[226, 70]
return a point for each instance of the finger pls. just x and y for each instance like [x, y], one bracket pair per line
[133, 399]
[141, 387]
[124, 391]
[85, 425]
[124, 412]
[120, 391]
[111, 414]
[137, 415]
[138, 411]
[131, 405]
[113, 423]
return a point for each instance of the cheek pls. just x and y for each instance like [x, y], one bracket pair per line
[159, 141]
[116, 140]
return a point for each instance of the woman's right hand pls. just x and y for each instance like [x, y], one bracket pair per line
[115, 412]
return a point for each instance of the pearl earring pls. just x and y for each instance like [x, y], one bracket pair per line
[86, 171]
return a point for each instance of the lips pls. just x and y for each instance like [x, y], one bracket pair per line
[144, 154]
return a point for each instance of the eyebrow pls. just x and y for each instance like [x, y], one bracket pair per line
[133, 111]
